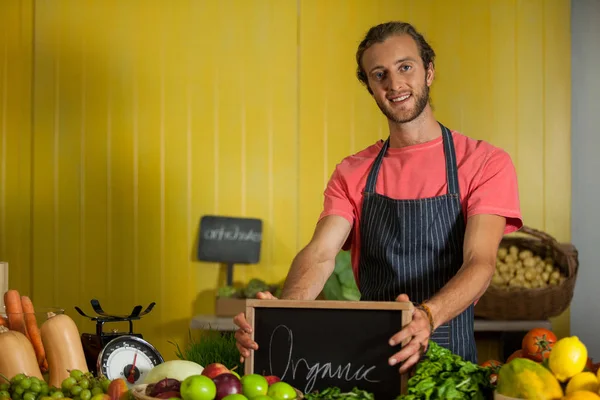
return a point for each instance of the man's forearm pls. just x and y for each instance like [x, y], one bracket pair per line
[460, 292]
[307, 276]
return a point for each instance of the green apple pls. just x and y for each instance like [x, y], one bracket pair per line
[261, 397]
[254, 385]
[235, 396]
[198, 387]
[281, 391]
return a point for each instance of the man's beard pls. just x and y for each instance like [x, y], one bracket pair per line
[421, 100]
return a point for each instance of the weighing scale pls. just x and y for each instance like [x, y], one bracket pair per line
[117, 354]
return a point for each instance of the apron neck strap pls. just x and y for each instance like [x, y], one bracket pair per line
[449, 155]
[451, 166]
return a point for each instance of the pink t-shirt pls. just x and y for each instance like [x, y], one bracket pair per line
[486, 174]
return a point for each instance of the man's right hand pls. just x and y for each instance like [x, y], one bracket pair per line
[243, 339]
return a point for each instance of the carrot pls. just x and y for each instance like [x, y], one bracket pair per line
[3, 321]
[34, 331]
[14, 311]
[44, 366]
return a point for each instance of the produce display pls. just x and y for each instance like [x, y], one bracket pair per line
[42, 358]
[547, 368]
[215, 382]
[520, 268]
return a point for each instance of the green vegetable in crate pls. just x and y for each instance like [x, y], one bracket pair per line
[254, 286]
[444, 375]
[227, 292]
[341, 285]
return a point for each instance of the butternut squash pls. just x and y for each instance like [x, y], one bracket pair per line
[16, 355]
[64, 350]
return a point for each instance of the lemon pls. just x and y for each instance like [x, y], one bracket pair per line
[583, 381]
[582, 395]
[567, 358]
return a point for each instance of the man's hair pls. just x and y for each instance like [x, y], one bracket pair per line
[380, 33]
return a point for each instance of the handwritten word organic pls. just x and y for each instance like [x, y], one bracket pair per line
[316, 370]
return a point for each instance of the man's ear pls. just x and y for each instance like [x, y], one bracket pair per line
[430, 74]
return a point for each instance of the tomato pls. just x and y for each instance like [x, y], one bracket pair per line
[516, 354]
[538, 343]
[494, 365]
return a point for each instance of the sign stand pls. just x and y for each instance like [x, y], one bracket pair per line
[229, 274]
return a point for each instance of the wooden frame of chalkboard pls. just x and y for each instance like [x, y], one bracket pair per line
[329, 335]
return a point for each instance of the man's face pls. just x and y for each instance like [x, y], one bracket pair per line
[397, 78]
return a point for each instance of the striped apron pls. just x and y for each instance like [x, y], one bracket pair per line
[415, 247]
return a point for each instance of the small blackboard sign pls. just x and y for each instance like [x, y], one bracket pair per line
[313, 345]
[230, 240]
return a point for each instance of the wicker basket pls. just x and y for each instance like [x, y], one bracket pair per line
[139, 393]
[533, 304]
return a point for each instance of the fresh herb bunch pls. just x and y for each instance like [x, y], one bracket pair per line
[444, 375]
[334, 393]
[211, 347]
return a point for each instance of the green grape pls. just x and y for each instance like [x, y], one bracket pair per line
[19, 390]
[4, 393]
[16, 396]
[4, 387]
[97, 390]
[105, 383]
[18, 378]
[25, 383]
[29, 396]
[77, 374]
[45, 398]
[75, 390]
[35, 388]
[44, 389]
[57, 395]
[68, 383]
[85, 394]
[84, 383]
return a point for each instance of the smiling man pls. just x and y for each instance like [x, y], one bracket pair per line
[422, 212]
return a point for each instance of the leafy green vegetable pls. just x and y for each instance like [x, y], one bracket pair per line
[334, 393]
[341, 285]
[444, 375]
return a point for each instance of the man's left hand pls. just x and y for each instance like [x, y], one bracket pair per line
[418, 331]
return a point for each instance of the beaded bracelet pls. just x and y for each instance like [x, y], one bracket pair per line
[427, 310]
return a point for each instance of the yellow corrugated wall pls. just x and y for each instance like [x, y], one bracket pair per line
[148, 115]
[16, 45]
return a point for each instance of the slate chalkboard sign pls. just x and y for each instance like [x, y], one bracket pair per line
[230, 240]
[313, 345]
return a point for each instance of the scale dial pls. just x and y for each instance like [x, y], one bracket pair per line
[128, 357]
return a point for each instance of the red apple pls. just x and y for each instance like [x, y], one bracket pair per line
[214, 369]
[271, 379]
[227, 384]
